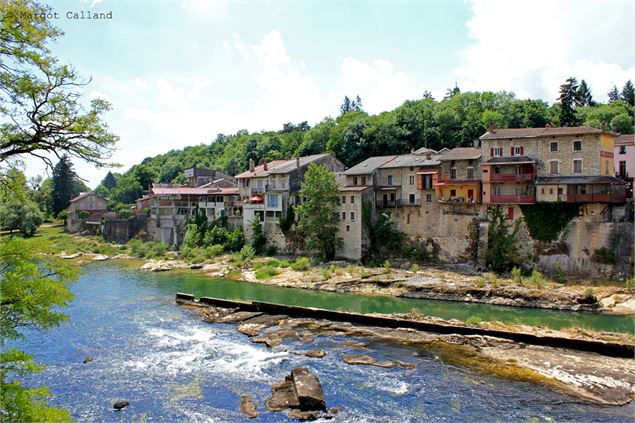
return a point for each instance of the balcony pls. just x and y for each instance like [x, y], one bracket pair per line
[396, 203]
[512, 177]
[512, 199]
[448, 181]
[596, 198]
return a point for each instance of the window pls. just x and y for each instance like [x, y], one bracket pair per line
[352, 216]
[392, 197]
[496, 189]
[343, 215]
[560, 191]
[452, 193]
[470, 173]
[348, 228]
[210, 212]
[412, 198]
[219, 199]
[354, 180]
[453, 173]
[496, 152]
[622, 171]
[553, 146]
[577, 145]
[550, 191]
[352, 199]
[272, 201]
[577, 166]
[606, 167]
[363, 180]
[389, 179]
[622, 149]
[517, 151]
[412, 179]
[542, 190]
[343, 199]
[428, 198]
[553, 167]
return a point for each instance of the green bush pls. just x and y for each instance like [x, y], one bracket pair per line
[258, 265]
[386, 264]
[536, 279]
[604, 255]
[480, 282]
[415, 268]
[148, 250]
[273, 263]
[473, 321]
[284, 264]
[559, 274]
[326, 275]
[301, 264]
[630, 282]
[247, 253]
[517, 275]
[267, 272]
[214, 250]
[545, 221]
[589, 295]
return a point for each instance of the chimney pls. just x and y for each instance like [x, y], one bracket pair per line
[490, 127]
[476, 143]
[297, 161]
[412, 150]
[252, 165]
[603, 126]
[264, 166]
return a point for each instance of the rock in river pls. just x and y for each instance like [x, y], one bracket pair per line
[120, 405]
[300, 390]
[247, 407]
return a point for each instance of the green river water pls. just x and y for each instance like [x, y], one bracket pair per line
[200, 285]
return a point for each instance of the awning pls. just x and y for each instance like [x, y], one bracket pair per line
[256, 199]
[427, 172]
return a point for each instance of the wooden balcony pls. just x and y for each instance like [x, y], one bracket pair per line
[512, 177]
[596, 198]
[512, 199]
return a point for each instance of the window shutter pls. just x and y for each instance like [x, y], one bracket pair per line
[522, 150]
[491, 152]
[511, 151]
[419, 182]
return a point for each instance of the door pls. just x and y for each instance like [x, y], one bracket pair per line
[385, 200]
[470, 194]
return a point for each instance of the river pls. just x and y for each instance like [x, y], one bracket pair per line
[171, 366]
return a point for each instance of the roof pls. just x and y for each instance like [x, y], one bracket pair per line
[409, 160]
[539, 132]
[597, 179]
[511, 160]
[368, 165]
[280, 166]
[260, 170]
[461, 153]
[86, 194]
[354, 188]
[424, 150]
[625, 139]
[192, 191]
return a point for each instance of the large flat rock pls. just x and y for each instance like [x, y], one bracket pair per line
[308, 390]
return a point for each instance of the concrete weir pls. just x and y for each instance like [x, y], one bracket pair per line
[613, 349]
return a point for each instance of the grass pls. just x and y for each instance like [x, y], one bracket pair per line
[301, 264]
[267, 272]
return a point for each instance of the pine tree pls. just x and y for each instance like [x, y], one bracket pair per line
[346, 106]
[357, 104]
[613, 94]
[568, 101]
[109, 181]
[628, 93]
[64, 184]
[584, 94]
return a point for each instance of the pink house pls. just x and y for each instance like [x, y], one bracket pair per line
[624, 156]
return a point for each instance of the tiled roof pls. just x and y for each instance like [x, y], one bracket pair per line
[354, 188]
[424, 150]
[461, 153]
[502, 133]
[625, 139]
[409, 160]
[510, 160]
[597, 179]
[192, 191]
[368, 165]
[290, 165]
[85, 194]
[260, 170]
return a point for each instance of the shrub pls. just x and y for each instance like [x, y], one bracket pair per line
[301, 264]
[258, 265]
[559, 274]
[494, 281]
[267, 272]
[273, 263]
[235, 240]
[502, 249]
[480, 282]
[386, 264]
[630, 282]
[148, 250]
[258, 239]
[247, 253]
[473, 321]
[589, 295]
[604, 255]
[214, 250]
[284, 264]
[326, 275]
[271, 250]
[536, 279]
[414, 268]
[517, 275]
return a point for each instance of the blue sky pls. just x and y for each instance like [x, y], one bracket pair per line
[179, 72]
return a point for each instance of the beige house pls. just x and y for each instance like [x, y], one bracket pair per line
[351, 227]
[267, 190]
[87, 207]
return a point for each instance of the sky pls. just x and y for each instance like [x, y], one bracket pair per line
[179, 72]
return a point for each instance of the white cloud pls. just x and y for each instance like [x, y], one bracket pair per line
[95, 3]
[379, 85]
[532, 47]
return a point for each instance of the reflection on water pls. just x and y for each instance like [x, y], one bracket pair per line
[173, 367]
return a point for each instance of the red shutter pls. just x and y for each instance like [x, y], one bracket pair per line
[491, 152]
[511, 153]
[522, 150]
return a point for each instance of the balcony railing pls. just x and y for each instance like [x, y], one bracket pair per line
[512, 177]
[512, 199]
[397, 203]
[466, 181]
[596, 198]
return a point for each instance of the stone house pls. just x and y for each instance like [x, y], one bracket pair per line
[459, 180]
[267, 190]
[351, 227]
[87, 207]
[528, 165]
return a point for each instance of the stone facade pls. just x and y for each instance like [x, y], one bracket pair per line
[88, 204]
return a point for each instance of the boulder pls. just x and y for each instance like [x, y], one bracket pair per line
[304, 416]
[315, 353]
[247, 407]
[100, 257]
[367, 360]
[120, 405]
[88, 359]
[282, 396]
[70, 256]
[308, 390]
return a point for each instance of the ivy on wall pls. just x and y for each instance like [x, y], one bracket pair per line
[545, 221]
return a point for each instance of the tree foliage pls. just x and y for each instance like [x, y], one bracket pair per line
[502, 250]
[318, 218]
[66, 185]
[628, 93]
[569, 100]
[41, 100]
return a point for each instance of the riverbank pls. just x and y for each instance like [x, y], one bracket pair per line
[589, 376]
